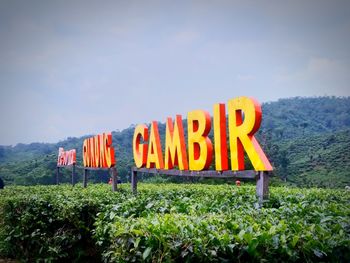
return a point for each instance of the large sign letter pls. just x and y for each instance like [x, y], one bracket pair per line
[140, 150]
[154, 156]
[175, 147]
[200, 148]
[109, 150]
[221, 160]
[244, 120]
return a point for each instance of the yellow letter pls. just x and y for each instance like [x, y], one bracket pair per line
[140, 153]
[97, 151]
[109, 150]
[175, 147]
[221, 160]
[200, 148]
[92, 151]
[60, 154]
[154, 156]
[85, 153]
[242, 134]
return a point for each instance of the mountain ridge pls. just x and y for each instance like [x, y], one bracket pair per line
[285, 123]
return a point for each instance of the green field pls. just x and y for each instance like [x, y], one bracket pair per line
[174, 222]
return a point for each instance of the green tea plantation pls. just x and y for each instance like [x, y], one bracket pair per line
[173, 223]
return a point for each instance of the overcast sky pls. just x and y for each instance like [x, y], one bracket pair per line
[70, 68]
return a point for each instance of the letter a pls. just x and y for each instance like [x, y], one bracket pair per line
[154, 156]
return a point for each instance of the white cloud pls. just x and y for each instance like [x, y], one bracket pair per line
[320, 76]
[68, 70]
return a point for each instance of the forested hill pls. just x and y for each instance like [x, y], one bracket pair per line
[307, 140]
[292, 118]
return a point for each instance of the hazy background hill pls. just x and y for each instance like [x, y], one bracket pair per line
[307, 140]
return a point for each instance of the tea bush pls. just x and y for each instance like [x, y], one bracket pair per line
[174, 223]
[47, 223]
[200, 223]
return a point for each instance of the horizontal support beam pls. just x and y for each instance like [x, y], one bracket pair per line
[248, 174]
[85, 168]
[65, 166]
[95, 168]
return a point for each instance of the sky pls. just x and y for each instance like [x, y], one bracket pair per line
[72, 68]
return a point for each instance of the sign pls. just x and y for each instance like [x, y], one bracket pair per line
[244, 119]
[66, 158]
[98, 151]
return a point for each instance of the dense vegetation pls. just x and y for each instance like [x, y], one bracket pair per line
[174, 222]
[307, 139]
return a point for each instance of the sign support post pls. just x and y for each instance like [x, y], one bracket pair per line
[262, 186]
[261, 178]
[57, 175]
[73, 174]
[85, 178]
[114, 179]
[134, 181]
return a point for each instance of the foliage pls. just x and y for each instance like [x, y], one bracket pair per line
[50, 223]
[200, 223]
[322, 160]
[174, 222]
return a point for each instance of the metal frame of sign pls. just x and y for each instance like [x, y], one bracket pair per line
[261, 177]
[112, 170]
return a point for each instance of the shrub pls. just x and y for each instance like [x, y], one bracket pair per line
[169, 222]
